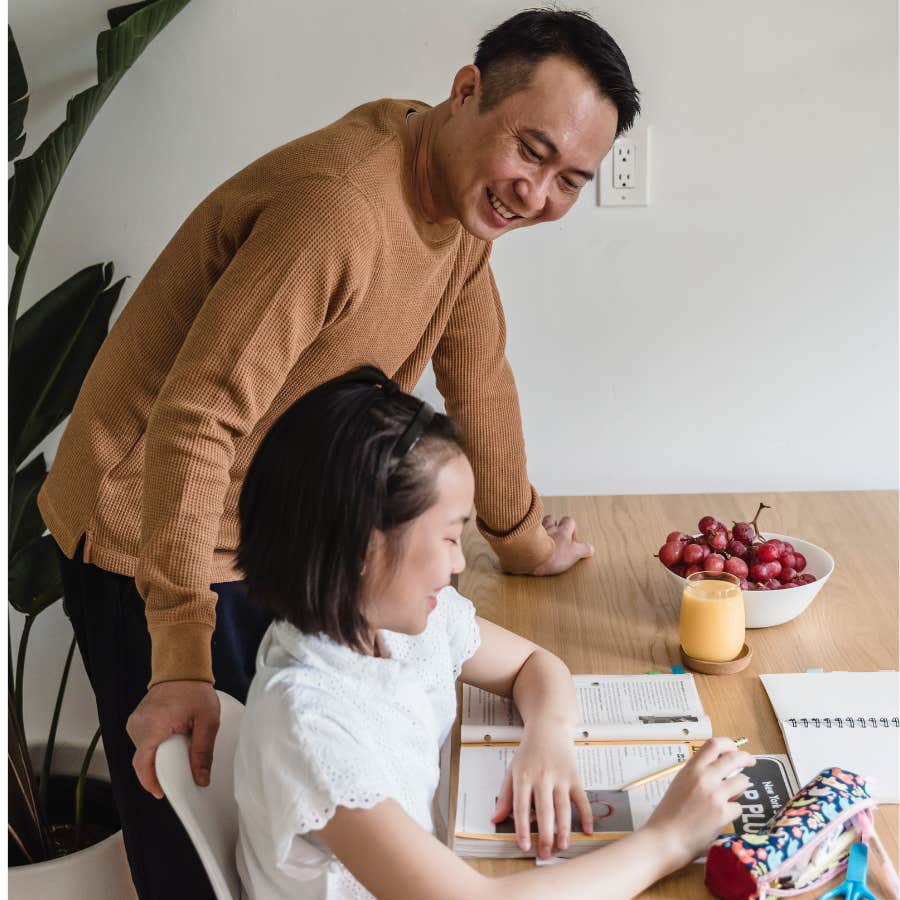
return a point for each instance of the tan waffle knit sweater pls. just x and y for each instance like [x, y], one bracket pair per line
[308, 262]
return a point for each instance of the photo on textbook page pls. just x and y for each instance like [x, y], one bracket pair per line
[611, 811]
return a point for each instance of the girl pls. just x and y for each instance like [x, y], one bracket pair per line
[351, 518]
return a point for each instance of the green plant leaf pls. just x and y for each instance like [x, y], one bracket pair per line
[119, 14]
[18, 98]
[25, 522]
[54, 345]
[36, 177]
[35, 581]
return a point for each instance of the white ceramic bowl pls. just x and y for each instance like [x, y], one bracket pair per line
[765, 608]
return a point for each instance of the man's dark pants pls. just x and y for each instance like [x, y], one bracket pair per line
[107, 614]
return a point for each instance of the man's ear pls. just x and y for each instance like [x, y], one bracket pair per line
[466, 87]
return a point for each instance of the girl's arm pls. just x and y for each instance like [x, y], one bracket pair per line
[395, 859]
[543, 769]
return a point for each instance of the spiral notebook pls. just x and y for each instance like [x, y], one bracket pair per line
[846, 719]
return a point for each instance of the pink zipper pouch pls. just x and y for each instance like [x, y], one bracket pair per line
[803, 847]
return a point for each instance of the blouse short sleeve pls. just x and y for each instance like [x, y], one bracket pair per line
[304, 767]
[458, 619]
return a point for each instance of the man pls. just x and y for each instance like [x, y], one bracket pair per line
[365, 242]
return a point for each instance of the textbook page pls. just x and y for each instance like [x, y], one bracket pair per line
[604, 770]
[610, 707]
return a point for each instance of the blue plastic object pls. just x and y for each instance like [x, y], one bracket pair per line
[853, 887]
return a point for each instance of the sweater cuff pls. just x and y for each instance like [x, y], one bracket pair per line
[526, 547]
[181, 652]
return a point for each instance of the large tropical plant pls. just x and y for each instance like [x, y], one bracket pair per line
[50, 349]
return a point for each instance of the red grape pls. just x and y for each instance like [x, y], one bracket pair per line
[799, 561]
[706, 524]
[677, 536]
[736, 566]
[679, 569]
[774, 568]
[691, 569]
[714, 563]
[788, 560]
[759, 571]
[787, 575]
[743, 532]
[767, 552]
[806, 578]
[737, 548]
[704, 549]
[773, 584]
[788, 548]
[745, 585]
[692, 553]
[670, 553]
[718, 540]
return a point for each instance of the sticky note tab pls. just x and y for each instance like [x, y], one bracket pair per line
[654, 672]
[811, 671]
[678, 670]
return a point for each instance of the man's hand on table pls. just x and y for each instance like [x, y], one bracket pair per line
[174, 707]
[567, 550]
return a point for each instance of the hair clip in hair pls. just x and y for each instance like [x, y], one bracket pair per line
[414, 430]
[389, 386]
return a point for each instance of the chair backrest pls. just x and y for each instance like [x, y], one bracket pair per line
[208, 814]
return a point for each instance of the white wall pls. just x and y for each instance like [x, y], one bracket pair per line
[740, 333]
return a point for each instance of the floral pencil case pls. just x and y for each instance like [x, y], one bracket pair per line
[803, 847]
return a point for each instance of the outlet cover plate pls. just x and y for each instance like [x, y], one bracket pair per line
[637, 139]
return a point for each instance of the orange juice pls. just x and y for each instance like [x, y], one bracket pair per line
[712, 617]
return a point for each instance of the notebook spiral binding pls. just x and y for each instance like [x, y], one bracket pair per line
[845, 722]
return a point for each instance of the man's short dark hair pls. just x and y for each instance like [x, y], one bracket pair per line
[507, 56]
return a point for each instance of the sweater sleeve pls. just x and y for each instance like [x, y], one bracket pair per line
[476, 381]
[303, 261]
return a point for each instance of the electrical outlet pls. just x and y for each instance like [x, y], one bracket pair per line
[623, 164]
[624, 176]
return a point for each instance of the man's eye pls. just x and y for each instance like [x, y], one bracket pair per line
[529, 152]
[454, 541]
[570, 185]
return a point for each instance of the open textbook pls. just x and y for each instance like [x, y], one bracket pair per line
[615, 713]
[620, 707]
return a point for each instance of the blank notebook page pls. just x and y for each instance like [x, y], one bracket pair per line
[846, 719]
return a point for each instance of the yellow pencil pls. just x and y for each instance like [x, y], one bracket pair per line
[669, 770]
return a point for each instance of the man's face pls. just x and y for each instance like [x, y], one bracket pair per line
[525, 160]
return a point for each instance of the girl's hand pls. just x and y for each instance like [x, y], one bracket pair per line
[699, 802]
[543, 773]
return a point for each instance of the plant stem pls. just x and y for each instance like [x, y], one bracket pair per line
[12, 671]
[20, 670]
[82, 777]
[44, 785]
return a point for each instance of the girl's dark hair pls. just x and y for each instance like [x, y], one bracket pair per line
[329, 473]
[506, 57]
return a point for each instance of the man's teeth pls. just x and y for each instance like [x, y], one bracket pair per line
[499, 206]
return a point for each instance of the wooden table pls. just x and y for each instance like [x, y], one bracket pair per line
[618, 613]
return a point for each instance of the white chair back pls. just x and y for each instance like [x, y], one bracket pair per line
[209, 814]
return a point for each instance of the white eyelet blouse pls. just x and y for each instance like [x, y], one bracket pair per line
[326, 726]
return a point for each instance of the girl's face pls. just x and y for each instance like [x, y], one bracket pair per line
[402, 594]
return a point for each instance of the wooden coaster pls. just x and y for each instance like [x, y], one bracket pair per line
[708, 667]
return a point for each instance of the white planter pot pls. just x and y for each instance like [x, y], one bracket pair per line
[99, 872]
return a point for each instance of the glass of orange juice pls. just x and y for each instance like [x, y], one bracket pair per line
[712, 616]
